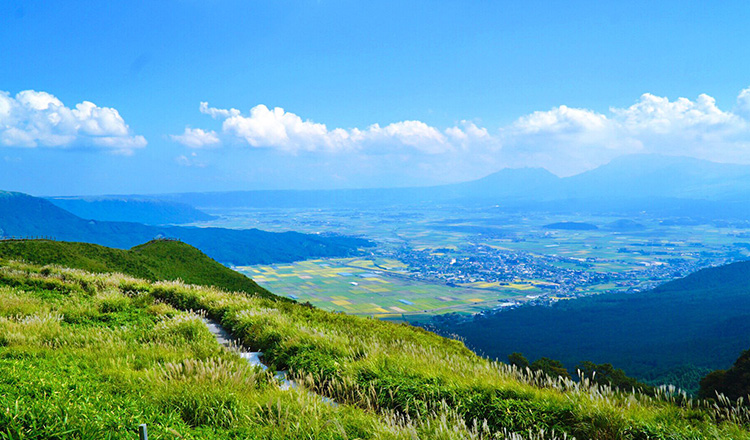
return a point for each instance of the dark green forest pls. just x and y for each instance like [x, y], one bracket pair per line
[675, 333]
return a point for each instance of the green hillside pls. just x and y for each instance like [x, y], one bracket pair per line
[156, 260]
[92, 356]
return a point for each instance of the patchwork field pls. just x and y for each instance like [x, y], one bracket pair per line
[379, 288]
[497, 255]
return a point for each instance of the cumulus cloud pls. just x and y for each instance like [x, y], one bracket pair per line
[468, 134]
[743, 104]
[564, 139]
[561, 120]
[278, 129]
[413, 134]
[218, 113]
[657, 115]
[196, 138]
[570, 140]
[33, 119]
[266, 127]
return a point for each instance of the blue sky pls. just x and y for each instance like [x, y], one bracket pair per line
[457, 90]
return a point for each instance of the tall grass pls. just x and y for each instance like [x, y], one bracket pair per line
[93, 356]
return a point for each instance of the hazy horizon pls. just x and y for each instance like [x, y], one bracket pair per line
[645, 157]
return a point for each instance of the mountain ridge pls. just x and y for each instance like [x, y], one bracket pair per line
[130, 209]
[640, 180]
[22, 215]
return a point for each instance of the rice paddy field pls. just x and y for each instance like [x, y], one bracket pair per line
[451, 228]
[649, 250]
[380, 288]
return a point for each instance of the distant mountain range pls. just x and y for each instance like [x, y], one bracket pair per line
[506, 185]
[627, 177]
[131, 209]
[659, 185]
[22, 215]
[674, 186]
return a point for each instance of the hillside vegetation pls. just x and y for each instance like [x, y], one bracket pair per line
[22, 215]
[93, 355]
[733, 383]
[675, 333]
[157, 260]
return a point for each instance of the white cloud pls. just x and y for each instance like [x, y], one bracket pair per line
[565, 140]
[561, 120]
[276, 128]
[569, 140]
[217, 113]
[32, 119]
[197, 138]
[468, 133]
[657, 115]
[415, 134]
[190, 161]
[743, 104]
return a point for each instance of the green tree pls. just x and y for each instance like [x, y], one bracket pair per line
[550, 367]
[712, 383]
[518, 360]
[606, 374]
[733, 383]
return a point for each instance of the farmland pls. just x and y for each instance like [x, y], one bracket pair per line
[380, 287]
[436, 260]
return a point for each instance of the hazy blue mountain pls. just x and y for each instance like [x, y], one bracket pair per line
[131, 209]
[343, 198]
[625, 225]
[639, 182]
[506, 184]
[22, 215]
[655, 176]
[634, 178]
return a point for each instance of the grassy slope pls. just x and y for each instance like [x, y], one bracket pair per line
[91, 356]
[155, 261]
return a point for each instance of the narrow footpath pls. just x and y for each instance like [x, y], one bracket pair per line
[224, 338]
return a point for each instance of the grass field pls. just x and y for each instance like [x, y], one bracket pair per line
[92, 356]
